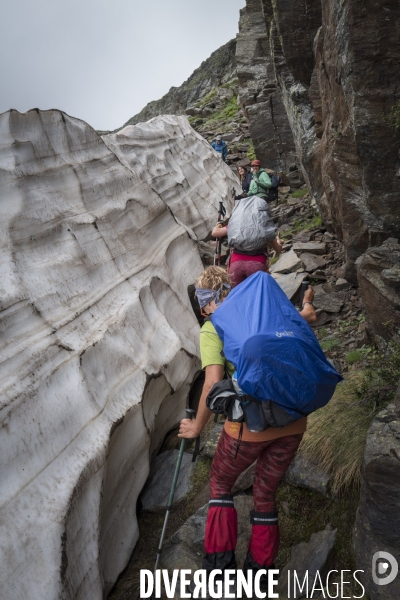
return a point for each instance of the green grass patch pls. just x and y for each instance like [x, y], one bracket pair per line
[299, 194]
[329, 344]
[336, 434]
[232, 108]
[353, 356]
[251, 153]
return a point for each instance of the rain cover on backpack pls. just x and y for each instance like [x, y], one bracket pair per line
[274, 350]
[250, 226]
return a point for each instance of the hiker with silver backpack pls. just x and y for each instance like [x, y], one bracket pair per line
[250, 230]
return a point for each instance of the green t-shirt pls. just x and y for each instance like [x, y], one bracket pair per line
[210, 349]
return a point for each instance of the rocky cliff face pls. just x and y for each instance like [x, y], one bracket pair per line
[337, 67]
[98, 341]
[259, 94]
[377, 523]
[212, 73]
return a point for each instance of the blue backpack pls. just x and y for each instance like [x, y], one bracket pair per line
[276, 354]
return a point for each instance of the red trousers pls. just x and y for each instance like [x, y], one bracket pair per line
[273, 459]
[241, 269]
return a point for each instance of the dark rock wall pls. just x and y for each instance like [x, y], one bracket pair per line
[259, 93]
[337, 65]
[377, 526]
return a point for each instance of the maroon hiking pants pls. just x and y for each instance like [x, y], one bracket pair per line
[273, 459]
[241, 269]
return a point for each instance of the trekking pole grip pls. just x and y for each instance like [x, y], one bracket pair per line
[304, 286]
[190, 413]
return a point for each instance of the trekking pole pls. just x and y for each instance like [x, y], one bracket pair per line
[304, 286]
[190, 414]
[218, 244]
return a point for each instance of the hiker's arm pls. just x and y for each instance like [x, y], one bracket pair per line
[191, 429]
[264, 181]
[308, 312]
[219, 231]
[276, 245]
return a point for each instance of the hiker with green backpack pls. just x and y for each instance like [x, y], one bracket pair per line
[261, 182]
[273, 444]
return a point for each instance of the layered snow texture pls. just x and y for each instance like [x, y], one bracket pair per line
[98, 342]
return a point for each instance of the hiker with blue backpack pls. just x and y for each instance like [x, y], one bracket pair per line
[220, 146]
[278, 374]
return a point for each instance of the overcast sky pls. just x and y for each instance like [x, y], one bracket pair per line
[103, 60]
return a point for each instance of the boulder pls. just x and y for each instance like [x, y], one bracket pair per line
[99, 341]
[377, 526]
[287, 263]
[185, 549]
[307, 560]
[379, 280]
[156, 492]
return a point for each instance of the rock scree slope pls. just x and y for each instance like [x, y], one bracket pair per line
[98, 341]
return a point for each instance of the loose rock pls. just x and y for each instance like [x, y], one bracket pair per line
[312, 262]
[311, 247]
[290, 284]
[327, 302]
[287, 263]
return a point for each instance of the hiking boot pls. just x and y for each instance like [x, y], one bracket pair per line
[251, 565]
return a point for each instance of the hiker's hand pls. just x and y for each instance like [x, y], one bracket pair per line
[188, 429]
[308, 295]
